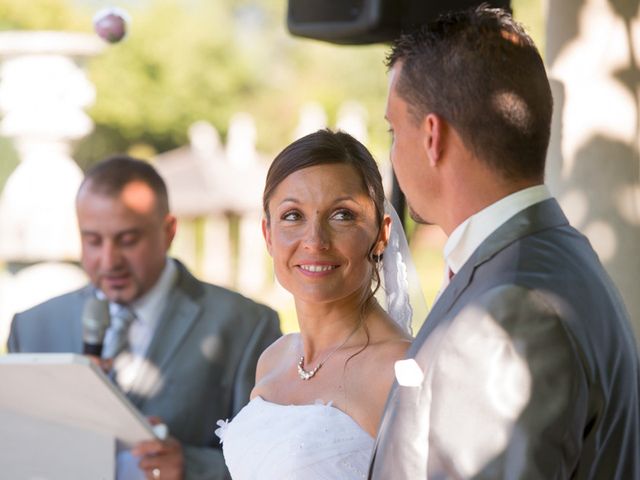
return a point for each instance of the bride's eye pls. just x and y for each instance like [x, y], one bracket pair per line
[343, 214]
[291, 216]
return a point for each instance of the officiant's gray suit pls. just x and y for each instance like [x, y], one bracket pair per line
[526, 368]
[200, 364]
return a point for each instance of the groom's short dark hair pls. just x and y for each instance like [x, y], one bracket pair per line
[481, 72]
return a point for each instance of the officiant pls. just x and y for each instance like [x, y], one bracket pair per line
[183, 351]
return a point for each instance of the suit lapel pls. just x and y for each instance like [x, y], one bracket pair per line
[540, 216]
[444, 303]
[543, 215]
[177, 320]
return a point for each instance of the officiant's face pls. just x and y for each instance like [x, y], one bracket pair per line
[321, 227]
[125, 238]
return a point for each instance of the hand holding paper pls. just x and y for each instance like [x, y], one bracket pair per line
[161, 457]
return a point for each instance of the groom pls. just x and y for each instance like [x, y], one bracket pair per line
[526, 367]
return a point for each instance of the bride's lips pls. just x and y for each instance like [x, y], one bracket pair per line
[317, 269]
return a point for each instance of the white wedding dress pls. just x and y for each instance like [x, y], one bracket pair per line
[268, 441]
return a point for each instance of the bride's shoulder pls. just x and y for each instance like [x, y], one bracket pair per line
[387, 345]
[388, 350]
[276, 351]
[388, 341]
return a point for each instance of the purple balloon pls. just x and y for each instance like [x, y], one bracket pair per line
[111, 24]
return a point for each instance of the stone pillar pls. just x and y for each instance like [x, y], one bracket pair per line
[217, 261]
[352, 119]
[252, 254]
[247, 173]
[241, 141]
[593, 54]
[43, 91]
[312, 117]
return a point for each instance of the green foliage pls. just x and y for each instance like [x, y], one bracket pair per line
[190, 60]
[173, 68]
[41, 15]
[531, 14]
[8, 161]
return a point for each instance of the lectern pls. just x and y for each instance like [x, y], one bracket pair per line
[61, 418]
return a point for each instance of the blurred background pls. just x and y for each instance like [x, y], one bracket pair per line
[210, 91]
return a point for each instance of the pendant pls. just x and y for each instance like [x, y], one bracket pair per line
[306, 375]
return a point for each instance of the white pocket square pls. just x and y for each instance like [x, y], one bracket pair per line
[408, 373]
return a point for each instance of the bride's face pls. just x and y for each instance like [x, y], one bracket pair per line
[321, 230]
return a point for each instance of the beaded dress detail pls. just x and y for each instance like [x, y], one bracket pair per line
[268, 441]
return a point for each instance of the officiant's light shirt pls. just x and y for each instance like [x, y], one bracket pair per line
[148, 310]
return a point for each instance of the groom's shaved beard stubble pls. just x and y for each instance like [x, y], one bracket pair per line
[417, 218]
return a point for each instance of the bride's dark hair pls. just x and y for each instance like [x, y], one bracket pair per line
[321, 148]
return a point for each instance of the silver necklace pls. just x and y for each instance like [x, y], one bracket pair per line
[308, 374]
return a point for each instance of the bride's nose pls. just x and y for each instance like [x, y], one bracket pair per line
[317, 236]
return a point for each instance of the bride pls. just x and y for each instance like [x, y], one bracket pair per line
[320, 393]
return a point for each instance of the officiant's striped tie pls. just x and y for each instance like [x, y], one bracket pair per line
[117, 338]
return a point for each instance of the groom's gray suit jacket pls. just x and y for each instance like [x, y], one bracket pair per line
[200, 364]
[530, 367]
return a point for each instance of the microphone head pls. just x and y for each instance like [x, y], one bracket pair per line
[95, 320]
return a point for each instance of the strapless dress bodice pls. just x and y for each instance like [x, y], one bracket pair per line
[269, 441]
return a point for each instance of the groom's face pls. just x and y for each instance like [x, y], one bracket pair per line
[408, 155]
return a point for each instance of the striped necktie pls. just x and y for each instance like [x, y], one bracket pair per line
[117, 338]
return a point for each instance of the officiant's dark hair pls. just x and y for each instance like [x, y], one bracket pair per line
[111, 175]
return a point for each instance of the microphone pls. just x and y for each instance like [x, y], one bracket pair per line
[95, 321]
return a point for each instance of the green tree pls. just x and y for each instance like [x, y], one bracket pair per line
[42, 15]
[186, 61]
[175, 66]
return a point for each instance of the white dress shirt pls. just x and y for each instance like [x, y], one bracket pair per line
[468, 236]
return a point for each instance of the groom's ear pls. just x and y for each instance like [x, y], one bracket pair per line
[432, 137]
[266, 233]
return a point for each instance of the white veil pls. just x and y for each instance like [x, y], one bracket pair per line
[403, 295]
